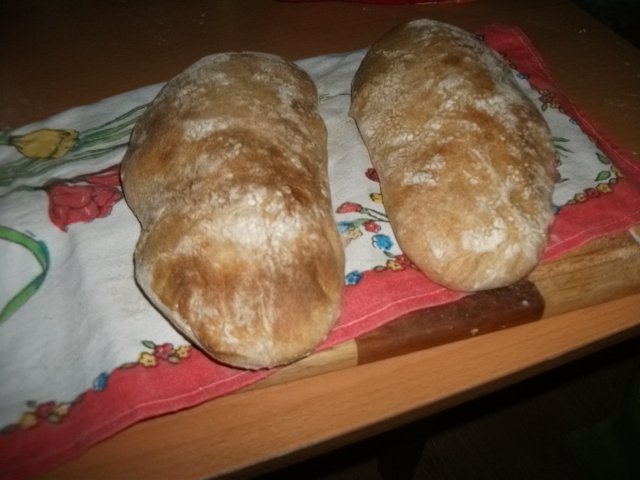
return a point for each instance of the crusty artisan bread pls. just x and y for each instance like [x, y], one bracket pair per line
[466, 162]
[227, 174]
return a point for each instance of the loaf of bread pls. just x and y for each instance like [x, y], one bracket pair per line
[465, 160]
[227, 173]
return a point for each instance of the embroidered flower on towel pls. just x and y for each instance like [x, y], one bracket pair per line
[83, 198]
[382, 241]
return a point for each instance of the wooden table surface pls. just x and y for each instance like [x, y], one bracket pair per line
[57, 55]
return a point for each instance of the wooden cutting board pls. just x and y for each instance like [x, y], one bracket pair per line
[602, 270]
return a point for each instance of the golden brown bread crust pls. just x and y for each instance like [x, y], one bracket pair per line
[227, 173]
[466, 162]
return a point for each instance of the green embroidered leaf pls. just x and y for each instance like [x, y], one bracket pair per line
[149, 344]
[603, 159]
[560, 149]
[563, 149]
[39, 250]
[603, 175]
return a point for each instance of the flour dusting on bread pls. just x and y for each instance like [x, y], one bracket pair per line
[465, 160]
[227, 173]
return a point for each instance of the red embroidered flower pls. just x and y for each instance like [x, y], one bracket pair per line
[371, 226]
[348, 207]
[592, 192]
[403, 260]
[548, 99]
[372, 174]
[163, 351]
[43, 410]
[83, 198]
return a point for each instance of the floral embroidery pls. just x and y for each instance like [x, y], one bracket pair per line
[44, 143]
[369, 222]
[45, 150]
[353, 278]
[80, 199]
[372, 175]
[605, 180]
[548, 99]
[588, 193]
[46, 412]
[382, 242]
[100, 383]
[165, 352]
[55, 412]
[347, 207]
[376, 197]
[396, 263]
[83, 198]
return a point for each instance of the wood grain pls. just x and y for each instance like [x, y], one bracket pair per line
[602, 270]
[476, 314]
[263, 429]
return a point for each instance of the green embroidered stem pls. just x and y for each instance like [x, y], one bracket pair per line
[131, 117]
[376, 215]
[113, 129]
[39, 250]
[21, 188]
[27, 167]
[91, 143]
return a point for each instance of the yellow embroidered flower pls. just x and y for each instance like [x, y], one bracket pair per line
[393, 265]
[616, 172]
[147, 359]
[353, 233]
[28, 420]
[45, 143]
[183, 351]
[604, 187]
[376, 197]
[62, 409]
